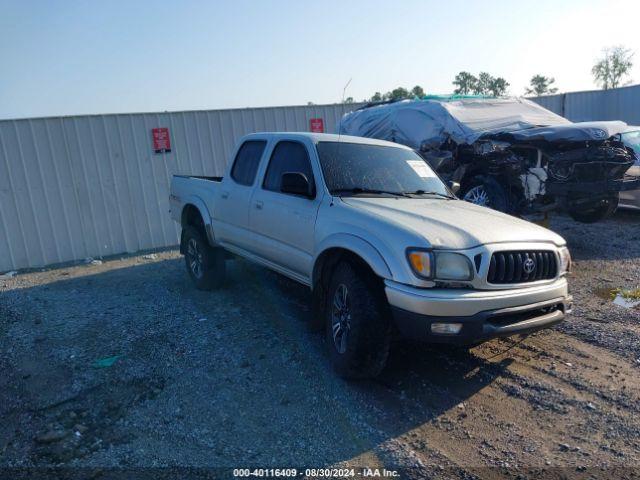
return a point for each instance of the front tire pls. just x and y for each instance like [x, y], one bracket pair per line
[595, 212]
[487, 192]
[205, 264]
[358, 330]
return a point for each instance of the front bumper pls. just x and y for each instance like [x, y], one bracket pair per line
[631, 198]
[483, 314]
[593, 188]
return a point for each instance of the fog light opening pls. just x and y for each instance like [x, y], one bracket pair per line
[446, 328]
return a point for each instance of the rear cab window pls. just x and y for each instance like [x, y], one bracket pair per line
[288, 156]
[245, 165]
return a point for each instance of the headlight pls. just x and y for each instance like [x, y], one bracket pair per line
[421, 262]
[453, 266]
[565, 260]
[440, 265]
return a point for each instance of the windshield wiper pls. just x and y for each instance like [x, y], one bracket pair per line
[424, 192]
[357, 190]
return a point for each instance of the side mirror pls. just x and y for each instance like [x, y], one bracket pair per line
[454, 186]
[296, 183]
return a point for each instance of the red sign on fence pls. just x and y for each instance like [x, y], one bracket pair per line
[316, 125]
[161, 140]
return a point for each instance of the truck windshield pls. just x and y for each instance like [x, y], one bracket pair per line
[356, 168]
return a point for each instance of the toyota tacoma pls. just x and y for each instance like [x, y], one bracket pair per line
[382, 242]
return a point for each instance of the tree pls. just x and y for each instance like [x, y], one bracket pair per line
[498, 87]
[417, 91]
[465, 82]
[611, 69]
[348, 100]
[399, 93]
[540, 85]
[483, 85]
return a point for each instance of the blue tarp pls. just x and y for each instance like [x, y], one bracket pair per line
[429, 123]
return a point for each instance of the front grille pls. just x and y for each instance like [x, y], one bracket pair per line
[522, 266]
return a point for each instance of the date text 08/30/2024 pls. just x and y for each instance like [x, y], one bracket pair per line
[316, 472]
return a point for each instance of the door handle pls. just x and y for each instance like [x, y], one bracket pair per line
[225, 195]
[259, 204]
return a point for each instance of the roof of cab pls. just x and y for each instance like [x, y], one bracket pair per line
[325, 137]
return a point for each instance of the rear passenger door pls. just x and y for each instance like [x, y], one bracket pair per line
[231, 225]
[284, 222]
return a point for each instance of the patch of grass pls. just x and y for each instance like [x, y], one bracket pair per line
[608, 293]
[633, 294]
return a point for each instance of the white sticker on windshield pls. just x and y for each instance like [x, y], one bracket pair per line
[421, 168]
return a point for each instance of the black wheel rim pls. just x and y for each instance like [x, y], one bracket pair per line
[341, 318]
[194, 255]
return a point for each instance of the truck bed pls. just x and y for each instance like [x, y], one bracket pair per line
[201, 177]
[196, 189]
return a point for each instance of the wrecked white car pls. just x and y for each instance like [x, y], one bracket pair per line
[509, 154]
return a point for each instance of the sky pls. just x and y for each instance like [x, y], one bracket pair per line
[85, 57]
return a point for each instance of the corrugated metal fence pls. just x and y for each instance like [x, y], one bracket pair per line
[616, 104]
[91, 186]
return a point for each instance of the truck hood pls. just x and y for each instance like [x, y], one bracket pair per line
[453, 223]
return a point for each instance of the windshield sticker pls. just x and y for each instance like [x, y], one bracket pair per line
[421, 168]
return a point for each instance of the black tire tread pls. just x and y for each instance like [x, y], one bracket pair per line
[500, 198]
[213, 259]
[596, 214]
[370, 336]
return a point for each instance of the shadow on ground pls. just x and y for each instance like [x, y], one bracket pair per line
[222, 378]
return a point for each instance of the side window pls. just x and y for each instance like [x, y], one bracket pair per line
[287, 157]
[247, 160]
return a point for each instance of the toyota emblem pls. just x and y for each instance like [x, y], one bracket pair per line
[529, 265]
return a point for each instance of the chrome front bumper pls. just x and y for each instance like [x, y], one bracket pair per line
[459, 302]
[482, 315]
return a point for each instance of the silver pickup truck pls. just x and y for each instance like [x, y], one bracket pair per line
[382, 242]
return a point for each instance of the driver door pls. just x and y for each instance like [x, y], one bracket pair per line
[284, 222]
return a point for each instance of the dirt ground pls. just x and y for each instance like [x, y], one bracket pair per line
[126, 365]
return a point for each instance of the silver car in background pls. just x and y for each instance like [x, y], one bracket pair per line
[631, 198]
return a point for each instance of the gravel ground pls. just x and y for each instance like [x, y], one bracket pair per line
[126, 365]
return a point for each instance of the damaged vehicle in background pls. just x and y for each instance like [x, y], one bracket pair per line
[509, 154]
[631, 198]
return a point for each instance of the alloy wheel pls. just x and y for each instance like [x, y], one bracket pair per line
[478, 195]
[341, 318]
[195, 258]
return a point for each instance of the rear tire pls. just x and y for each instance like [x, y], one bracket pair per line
[358, 329]
[205, 264]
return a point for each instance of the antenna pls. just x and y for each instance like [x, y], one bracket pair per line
[344, 90]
